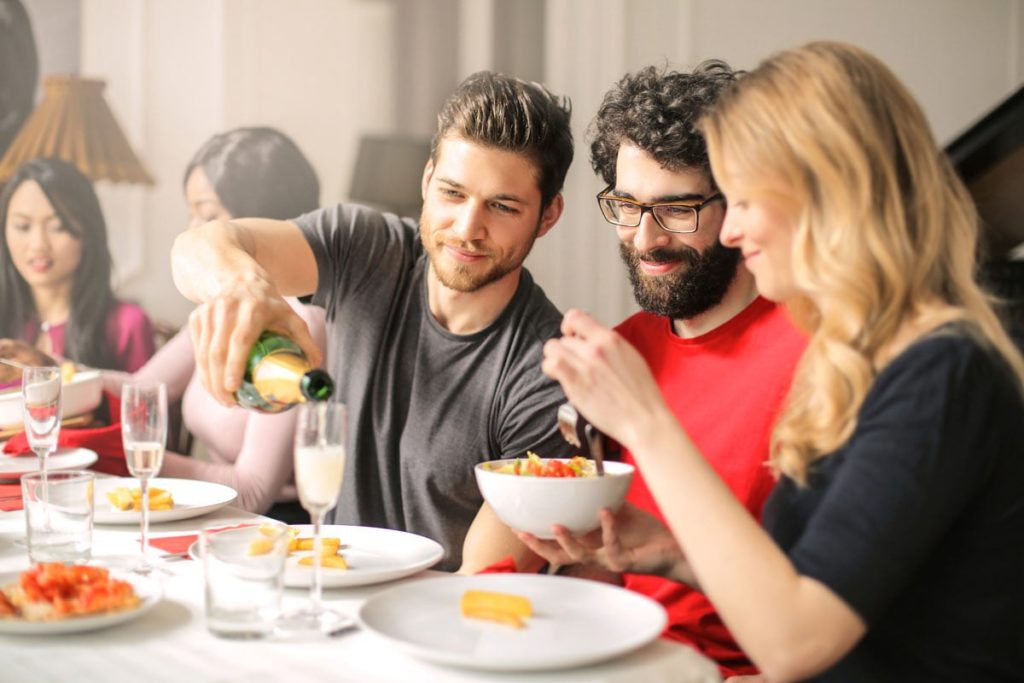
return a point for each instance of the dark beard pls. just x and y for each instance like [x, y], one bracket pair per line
[699, 285]
[462, 278]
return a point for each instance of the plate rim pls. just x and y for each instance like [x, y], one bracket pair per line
[110, 518]
[434, 653]
[154, 596]
[68, 450]
[353, 578]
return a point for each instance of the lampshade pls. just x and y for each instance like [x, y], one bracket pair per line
[74, 123]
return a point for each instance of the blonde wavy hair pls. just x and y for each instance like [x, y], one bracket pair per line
[885, 233]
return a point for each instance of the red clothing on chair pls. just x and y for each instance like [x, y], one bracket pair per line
[106, 441]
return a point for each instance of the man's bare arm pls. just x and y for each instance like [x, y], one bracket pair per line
[239, 271]
[208, 256]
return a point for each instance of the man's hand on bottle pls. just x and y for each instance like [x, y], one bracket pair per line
[225, 328]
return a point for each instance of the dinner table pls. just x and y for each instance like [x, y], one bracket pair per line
[170, 642]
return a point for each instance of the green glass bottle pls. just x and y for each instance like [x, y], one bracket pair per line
[278, 375]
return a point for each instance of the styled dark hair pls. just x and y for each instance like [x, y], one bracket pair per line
[74, 200]
[258, 173]
[506, 113]
[657, 110]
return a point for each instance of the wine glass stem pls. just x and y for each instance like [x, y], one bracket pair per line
[41, 453]
[316, 590]
[144, 485]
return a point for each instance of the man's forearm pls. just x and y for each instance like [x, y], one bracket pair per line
[205, 258]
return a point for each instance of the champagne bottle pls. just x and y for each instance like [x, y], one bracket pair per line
[278, 375]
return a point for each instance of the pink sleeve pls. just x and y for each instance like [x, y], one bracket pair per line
[173, 365]
[131, 332]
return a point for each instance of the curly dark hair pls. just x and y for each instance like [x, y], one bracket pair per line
[506, 113]
[657, 110]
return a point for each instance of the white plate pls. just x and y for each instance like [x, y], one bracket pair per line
[13, 466]
[82, 394]
[192, 498]
[575, 622]
[147, 589]
[373, 556]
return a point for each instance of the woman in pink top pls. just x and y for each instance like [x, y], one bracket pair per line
[242, 173]
[55, 272]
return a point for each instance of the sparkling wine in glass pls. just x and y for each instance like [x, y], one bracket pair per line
[41, 399]
[144, 431]
[319, 466]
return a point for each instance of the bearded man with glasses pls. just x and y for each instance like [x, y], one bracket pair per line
[722, 355]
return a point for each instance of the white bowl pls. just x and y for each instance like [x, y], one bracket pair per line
[82, 394]
[534, 504]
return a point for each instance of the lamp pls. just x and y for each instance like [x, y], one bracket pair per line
[74, 123]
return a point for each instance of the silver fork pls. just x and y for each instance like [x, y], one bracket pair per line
[580, 433]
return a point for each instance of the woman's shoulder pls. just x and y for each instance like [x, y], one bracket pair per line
[130, 331]
[956, 354]
[128, 313]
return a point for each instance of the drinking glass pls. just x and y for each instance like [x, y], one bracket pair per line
[319, 465]
[58, 515]
[143, 431]
[41, 398]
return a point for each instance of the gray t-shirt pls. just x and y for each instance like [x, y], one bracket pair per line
[425, 405]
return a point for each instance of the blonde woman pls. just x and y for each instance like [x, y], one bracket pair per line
[893, 545]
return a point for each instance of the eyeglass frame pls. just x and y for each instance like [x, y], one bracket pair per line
[644, 208]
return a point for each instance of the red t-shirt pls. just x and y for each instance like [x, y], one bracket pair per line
[726, 388]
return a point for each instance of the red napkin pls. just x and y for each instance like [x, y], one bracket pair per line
[503, 566]
[180, 544]
[106, 441]
[10, 497]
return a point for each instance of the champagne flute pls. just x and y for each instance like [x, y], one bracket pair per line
[319, 465]
[143, 432]
[41, 400]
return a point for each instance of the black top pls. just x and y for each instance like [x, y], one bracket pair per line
[917, 522]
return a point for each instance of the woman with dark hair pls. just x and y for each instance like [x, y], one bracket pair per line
[244, 172]
[55, 272]
[250, 172]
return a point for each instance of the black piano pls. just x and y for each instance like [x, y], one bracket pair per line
[989, 156]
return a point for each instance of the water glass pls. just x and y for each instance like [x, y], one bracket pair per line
[243, 571]
[58, 515]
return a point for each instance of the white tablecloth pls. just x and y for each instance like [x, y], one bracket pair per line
[171, 642]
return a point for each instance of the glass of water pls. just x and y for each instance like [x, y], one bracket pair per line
[58, 515]
[143, 433]
[243, 570]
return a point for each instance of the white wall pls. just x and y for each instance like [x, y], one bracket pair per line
[180, 71]
[326, 71]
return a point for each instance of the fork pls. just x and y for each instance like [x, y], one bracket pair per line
[580, 433]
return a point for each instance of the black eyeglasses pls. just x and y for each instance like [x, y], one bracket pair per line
[674, 217]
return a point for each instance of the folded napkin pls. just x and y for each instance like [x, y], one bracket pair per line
[503, 566]
[10, 497]
[105, 441]
[181, 544]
